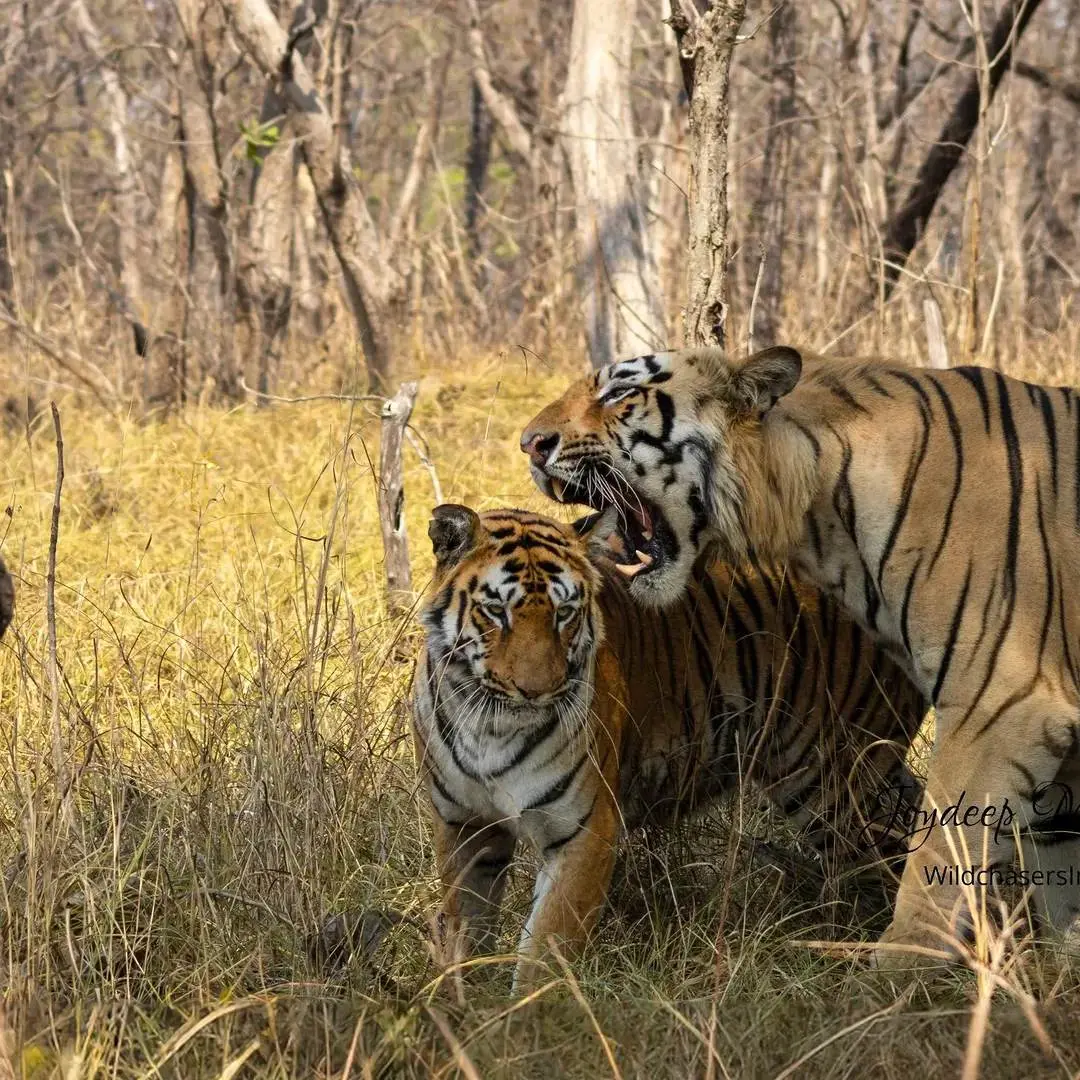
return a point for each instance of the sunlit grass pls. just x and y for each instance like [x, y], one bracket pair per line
[232, 711]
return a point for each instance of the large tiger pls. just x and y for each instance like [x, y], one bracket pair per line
[549, 707]
[942, 509]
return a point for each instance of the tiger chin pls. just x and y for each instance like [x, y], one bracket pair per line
[550, 709]
[939, 508]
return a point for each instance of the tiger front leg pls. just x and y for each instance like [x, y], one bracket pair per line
[473, 861]
[570, 891]
[979, 792]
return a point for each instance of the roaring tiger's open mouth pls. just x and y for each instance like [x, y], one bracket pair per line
[642, 541]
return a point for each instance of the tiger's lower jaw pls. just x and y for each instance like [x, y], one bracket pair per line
[665, 586]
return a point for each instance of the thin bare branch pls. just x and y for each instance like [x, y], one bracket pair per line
[499, 105]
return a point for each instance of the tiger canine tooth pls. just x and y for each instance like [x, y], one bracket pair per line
[645, 559]
[558, 486]
[629, 570]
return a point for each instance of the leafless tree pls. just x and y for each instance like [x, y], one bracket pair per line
[617, 267]
[374, 286]
[706, 45]
[770, 206]
[248, 192]
[909, 222]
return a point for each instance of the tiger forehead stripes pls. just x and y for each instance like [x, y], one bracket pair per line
[514, 574]
[941, 508]
[548, 707]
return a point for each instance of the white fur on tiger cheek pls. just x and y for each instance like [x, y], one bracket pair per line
[665, 586]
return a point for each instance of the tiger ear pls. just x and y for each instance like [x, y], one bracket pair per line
[455, 531]
[764, 379]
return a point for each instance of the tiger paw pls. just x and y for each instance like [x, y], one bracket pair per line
[911, 949]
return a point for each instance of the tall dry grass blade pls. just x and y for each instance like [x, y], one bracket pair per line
[461, 1058]
[199, 1024]
[346, 1069]
[936, 347]
[238, 1062]
[58, 752]
[751, 342]
[395, 417]
[865, 1021]
[991, 315]
[7, 1048]
[579, 997]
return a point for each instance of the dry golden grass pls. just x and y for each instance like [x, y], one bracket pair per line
[231, 703]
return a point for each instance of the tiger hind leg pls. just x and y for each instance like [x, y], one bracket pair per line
[1052, 853]
[979, 789]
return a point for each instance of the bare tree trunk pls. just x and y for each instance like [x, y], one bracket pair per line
[707, 47]
[873, 174]
[173, 249]
[738, 221]
[202, 152]
[500, 106]
[339, 56]
[311, 281]
[12, 38]
[477, 157]
[127, 206]
[619, 281]
[267, 266]
[435, 76]
[374, 286]
[908, 223]
[266, 262]
[1010, 217]
[973, 204]
[7, 267]
[1013, 172]
[936, 348]
[826, 196]
[770, 211]
[1058, 235]
[197, 104]
[667, 180]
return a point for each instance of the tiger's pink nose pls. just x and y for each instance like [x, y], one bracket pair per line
[539, 447]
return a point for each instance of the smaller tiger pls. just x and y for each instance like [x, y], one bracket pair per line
[549, 707]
